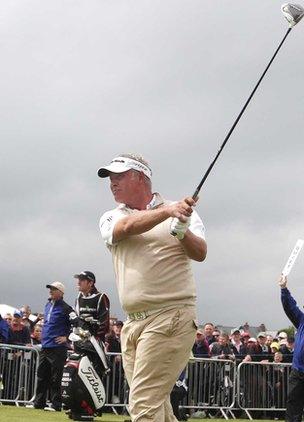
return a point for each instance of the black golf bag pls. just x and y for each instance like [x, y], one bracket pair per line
[83, 392]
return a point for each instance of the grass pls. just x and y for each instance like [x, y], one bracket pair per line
[20, 414]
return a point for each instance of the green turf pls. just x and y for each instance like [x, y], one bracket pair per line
[20, 414]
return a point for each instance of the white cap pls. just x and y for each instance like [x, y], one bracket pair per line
[252, 339]
[56, 285]
[282, 334]
[122, 164]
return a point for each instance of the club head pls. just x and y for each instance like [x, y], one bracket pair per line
[293, 13]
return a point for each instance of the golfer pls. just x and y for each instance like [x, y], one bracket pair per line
[155, 283]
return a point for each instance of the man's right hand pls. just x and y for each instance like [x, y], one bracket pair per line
[282, 281]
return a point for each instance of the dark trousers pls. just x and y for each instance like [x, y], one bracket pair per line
[176, 397]
[295, 399]
[49, 376]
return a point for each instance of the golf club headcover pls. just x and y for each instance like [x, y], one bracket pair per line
[178, 229]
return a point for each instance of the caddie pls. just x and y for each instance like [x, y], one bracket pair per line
[155, 283]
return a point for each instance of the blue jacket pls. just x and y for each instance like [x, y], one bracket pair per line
[296, 316]
[4, 330]
[56, 323]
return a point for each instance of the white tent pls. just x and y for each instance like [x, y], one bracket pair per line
[6, 309]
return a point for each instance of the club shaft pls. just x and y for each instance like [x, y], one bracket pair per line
[237, 119]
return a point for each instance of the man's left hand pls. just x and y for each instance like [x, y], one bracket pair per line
[178, 228]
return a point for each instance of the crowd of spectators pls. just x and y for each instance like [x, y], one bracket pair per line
[21, 327]
[240, 345]
[24, 328]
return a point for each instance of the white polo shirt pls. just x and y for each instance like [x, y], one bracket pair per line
[152, 270]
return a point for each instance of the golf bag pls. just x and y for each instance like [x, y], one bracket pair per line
[83, 391]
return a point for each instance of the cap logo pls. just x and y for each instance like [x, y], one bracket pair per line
[117, 161]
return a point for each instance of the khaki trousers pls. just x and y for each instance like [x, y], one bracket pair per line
[155, 351]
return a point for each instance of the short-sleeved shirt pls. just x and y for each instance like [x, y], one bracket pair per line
[152, 269]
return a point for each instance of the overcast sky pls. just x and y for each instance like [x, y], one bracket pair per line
[82, 81]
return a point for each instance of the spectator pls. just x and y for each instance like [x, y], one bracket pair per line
[277, 384]
[113, 345]
[40, 321]
[216, 333]
[54, 348]
[18, 334]
[263, 351]
[8, 318]
[282, 336]
[222, 348]
[4, 330]
[278, 357]
[36, 335]
[288, 349]
[238, 348]
[91, 303]
[251, 349]
[200, 348]
[26, 312]
[245, 337]
[269, 340]
[208, 331]
[274, 348]
[111, 324]
[113, 338]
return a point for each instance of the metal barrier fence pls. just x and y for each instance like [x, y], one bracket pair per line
[18, 366]
[262, 386]
[216, 386]
[116, 386]
[211, 385]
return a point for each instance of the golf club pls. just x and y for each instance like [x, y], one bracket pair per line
[293, 13]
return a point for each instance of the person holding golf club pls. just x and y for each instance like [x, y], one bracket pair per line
[295, 398]
[155, 283]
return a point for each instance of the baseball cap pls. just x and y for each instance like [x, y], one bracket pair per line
[282, 334]
[235, 330]
[118, 323]
[200, 330]
[262, 334]
[86, 275]
[18, 314]
[121, 164]
[56, 285]
[252, 340]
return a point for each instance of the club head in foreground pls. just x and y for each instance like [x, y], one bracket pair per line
[293, 13]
